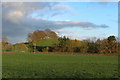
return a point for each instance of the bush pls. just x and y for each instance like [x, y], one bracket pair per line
[46, 49]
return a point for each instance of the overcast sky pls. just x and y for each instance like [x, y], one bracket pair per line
[76, 20]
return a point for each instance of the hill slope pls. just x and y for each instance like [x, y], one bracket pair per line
[48, 42]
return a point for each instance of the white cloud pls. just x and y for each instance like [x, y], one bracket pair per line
[62, 7]
[15, 16]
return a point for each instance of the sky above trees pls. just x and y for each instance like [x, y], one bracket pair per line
[76, 20]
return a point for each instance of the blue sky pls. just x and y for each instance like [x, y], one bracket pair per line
[76, 20]
[98, 13]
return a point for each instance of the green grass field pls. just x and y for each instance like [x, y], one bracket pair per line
[48, 42]
[28, 65]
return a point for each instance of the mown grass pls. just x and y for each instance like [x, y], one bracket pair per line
[28, 65]
[48, 42]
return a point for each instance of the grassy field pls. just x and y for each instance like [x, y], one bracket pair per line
[48, 42]
[28, 65]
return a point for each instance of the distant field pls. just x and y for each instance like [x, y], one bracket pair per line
[48, 42]
[27, 65]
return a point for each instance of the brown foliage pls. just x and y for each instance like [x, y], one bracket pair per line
[21, 47]
[108, 47]
[50, 33]
[36, 36]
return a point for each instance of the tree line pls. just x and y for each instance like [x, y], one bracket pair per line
[63, 44]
